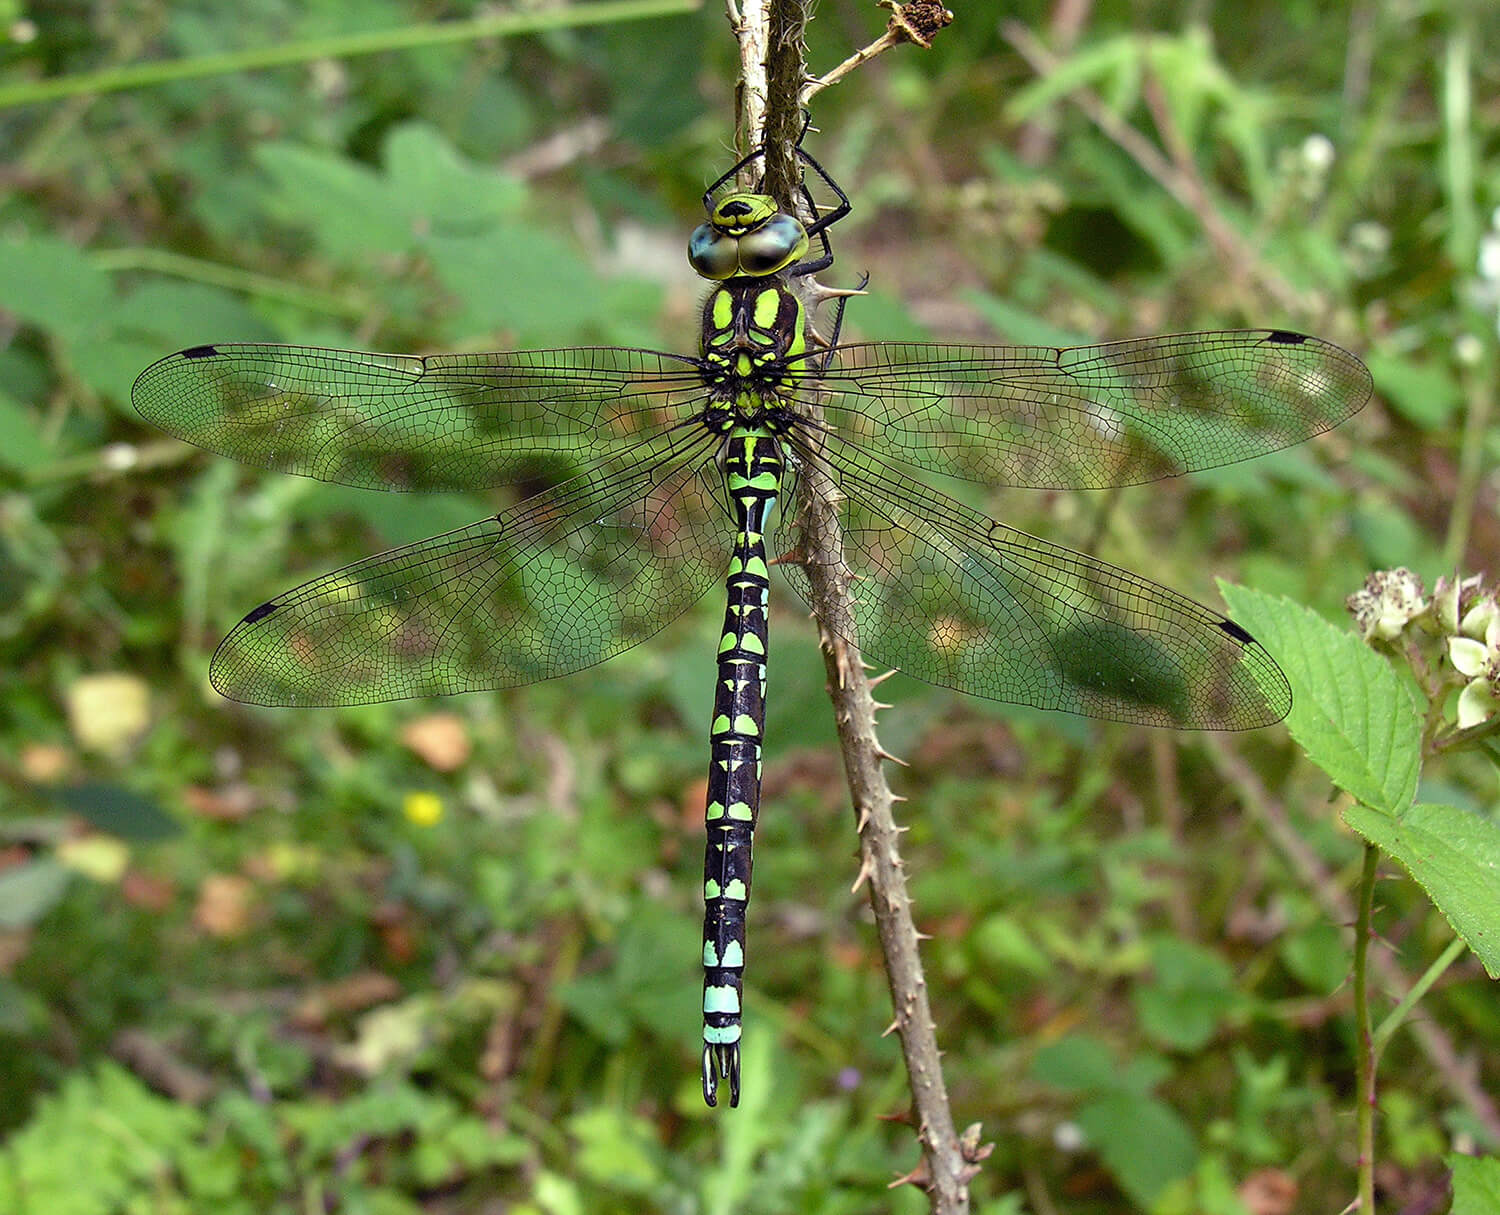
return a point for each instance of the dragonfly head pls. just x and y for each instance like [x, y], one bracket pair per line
[746, 236]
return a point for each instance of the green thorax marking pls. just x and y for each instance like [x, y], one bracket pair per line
[753, 335]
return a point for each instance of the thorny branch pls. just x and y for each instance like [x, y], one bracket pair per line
[772, 92]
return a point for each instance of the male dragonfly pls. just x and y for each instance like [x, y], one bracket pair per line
[665, 473]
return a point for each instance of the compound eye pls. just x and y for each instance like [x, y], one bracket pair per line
[776, 244]
[712, 254]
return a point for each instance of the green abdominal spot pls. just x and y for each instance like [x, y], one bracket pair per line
[721, 1035]
[721, 1000]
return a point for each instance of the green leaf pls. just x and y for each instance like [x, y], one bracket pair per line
[1426, 394]
[1003, 943]
[1018, 324]
[1081, 1064]
[728, 1187]
[120, 812]
[440, 189]
[1391, 537]
[616, 1149]
[1317, 957]
[524, 283]
[1454, 855]
[1139, 208]
[102, 1142]
[163, 314]
[1141, 1140]
[1191, 991]
[427, 189]
[636, 990]
[21, 442]
[29, 891]
[346, 205]
[51, 284]
[1076, 1063]
[1116, 59]
[1350, 711]
[1476, 1184]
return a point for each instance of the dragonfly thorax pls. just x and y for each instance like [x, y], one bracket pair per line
[751, 329]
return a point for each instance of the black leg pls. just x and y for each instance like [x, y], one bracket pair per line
[708, 194]
[832, 217]
[820, 222]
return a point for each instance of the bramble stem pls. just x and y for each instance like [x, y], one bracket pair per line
[948, 1162]
[1365, 1052]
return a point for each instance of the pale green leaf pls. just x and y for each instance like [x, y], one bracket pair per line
[30, 890]
[1190, 990]
[1476, 1184]
[1141, 1140]
[1019, 324]
[51, 284]
[1093, 66]
[21, 444]
[1454, 855]
[1425, 393]
[347, 206]
[439, 189]
[1350, 710]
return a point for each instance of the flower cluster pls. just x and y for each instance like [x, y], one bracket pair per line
[1461, 614]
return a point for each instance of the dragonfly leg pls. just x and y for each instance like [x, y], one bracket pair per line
[828, 218]
[820, 222]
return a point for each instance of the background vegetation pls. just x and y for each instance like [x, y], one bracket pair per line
[441, 956]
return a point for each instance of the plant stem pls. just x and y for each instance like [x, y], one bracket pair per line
[1462, 242]
[1397, 1016]
[1365, 1039]
[230, 278]
[338, 46]
[1431, 1039]
[947, 1162]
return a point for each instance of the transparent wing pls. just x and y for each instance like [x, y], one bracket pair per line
[957, 599]
[388, 421]
[1091, 416]
[567, 578]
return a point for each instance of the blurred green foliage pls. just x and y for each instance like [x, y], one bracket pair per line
[353, 1005]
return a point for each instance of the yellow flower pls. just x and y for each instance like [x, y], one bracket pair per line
[422, 809]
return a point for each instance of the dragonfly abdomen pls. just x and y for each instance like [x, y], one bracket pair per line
[753, 467]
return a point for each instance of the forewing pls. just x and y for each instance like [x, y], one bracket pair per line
[957, 599]
[1091, 416]
[389, 421]
[565, 579]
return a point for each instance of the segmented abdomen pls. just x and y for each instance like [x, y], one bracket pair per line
[752, 474]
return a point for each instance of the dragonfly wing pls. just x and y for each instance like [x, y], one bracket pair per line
[960, 600]
[567, 578]
[390, 421]
[1092, 416]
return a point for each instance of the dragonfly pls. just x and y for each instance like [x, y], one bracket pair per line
[647, 477]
